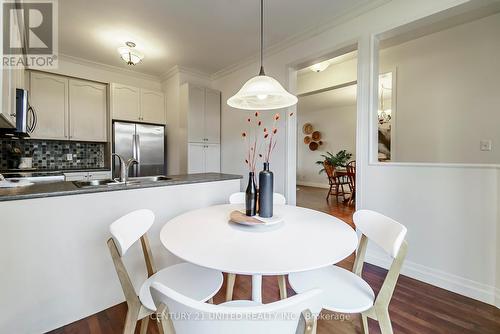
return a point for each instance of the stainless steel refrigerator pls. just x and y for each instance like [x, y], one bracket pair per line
[145, 143]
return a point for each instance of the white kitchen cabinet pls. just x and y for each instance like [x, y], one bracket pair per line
[196, 158]
[76, 176]
[212, 158]
[202, 107]
[152, 106]
[99, 175]
[212, 116]
[203, 158]
[87, 176]
[195, 101]
[87, 110]
[137, 105]
[49, 99]
[7, 112]
[10, 79]
[125, 102]
[68, 109]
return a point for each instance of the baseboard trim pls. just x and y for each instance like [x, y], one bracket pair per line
[463, 286]
[313, 184]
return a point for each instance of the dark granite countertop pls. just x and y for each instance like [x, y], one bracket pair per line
[39, 190]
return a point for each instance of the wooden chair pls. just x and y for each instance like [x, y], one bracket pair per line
[336, 181]
[351, 176]
[183, 315]
[194, 281]
[239, 198]
[347, 292]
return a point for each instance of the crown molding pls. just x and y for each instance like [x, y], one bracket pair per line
[178, 69]
[106, 67]
[312, 31]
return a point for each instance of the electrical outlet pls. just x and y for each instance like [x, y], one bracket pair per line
[485, 145]
[69, 156]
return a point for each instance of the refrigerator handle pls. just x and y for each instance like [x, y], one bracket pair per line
[138, 154]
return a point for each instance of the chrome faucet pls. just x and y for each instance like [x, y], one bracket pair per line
[125, 166]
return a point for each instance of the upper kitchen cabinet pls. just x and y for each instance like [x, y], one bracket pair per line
[10, 80]
[137, 105]
[152, 106]
[202, 107]
[68, 109]
[87, 109]
[125, 102]
[49, 98]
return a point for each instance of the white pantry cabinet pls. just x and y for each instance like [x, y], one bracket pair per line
[135, 104]
[68, 109]
[202, 106]
[203, 158]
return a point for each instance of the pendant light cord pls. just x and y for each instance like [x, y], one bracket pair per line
[262, 38]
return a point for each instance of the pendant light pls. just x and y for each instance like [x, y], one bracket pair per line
[262, 92]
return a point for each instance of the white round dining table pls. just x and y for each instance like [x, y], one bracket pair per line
[305, 239]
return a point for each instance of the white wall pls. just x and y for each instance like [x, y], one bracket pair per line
[447, 94]
[338, 132]
[447, 209]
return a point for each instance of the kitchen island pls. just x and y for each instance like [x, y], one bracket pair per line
[56, 267]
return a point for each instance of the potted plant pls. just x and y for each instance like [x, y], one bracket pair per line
[333, 161]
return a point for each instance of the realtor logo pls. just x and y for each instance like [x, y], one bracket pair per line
[29, 34]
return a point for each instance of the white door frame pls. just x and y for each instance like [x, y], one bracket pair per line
[364, 46]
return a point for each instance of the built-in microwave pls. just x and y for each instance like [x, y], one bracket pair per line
[25, 117]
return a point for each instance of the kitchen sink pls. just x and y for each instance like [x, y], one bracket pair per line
[94, 183]
[130, 180]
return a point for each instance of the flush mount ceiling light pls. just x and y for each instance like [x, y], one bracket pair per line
[262, 92]
[319, 67]
[131, 55]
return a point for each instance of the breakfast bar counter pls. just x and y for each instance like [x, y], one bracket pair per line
[64, 188]
[54, 245]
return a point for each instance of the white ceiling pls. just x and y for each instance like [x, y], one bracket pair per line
[199, 34]
[328, 100]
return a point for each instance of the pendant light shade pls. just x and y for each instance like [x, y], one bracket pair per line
[262, 92]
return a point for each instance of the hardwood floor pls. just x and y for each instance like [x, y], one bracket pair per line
[416, 307]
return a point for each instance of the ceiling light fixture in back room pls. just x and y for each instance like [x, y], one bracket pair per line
[130, 54]
[262, 92]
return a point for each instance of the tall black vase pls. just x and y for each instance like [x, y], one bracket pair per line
[266, 189]
[251, 196]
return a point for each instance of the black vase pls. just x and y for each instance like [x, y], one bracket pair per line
[266, 189]
[251, 196]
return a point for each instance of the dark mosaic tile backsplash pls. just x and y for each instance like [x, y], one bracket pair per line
[50, 154]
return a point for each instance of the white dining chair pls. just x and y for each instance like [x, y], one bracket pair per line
[196, 282]
[180, 314]
[347, 292]
[239, 198]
